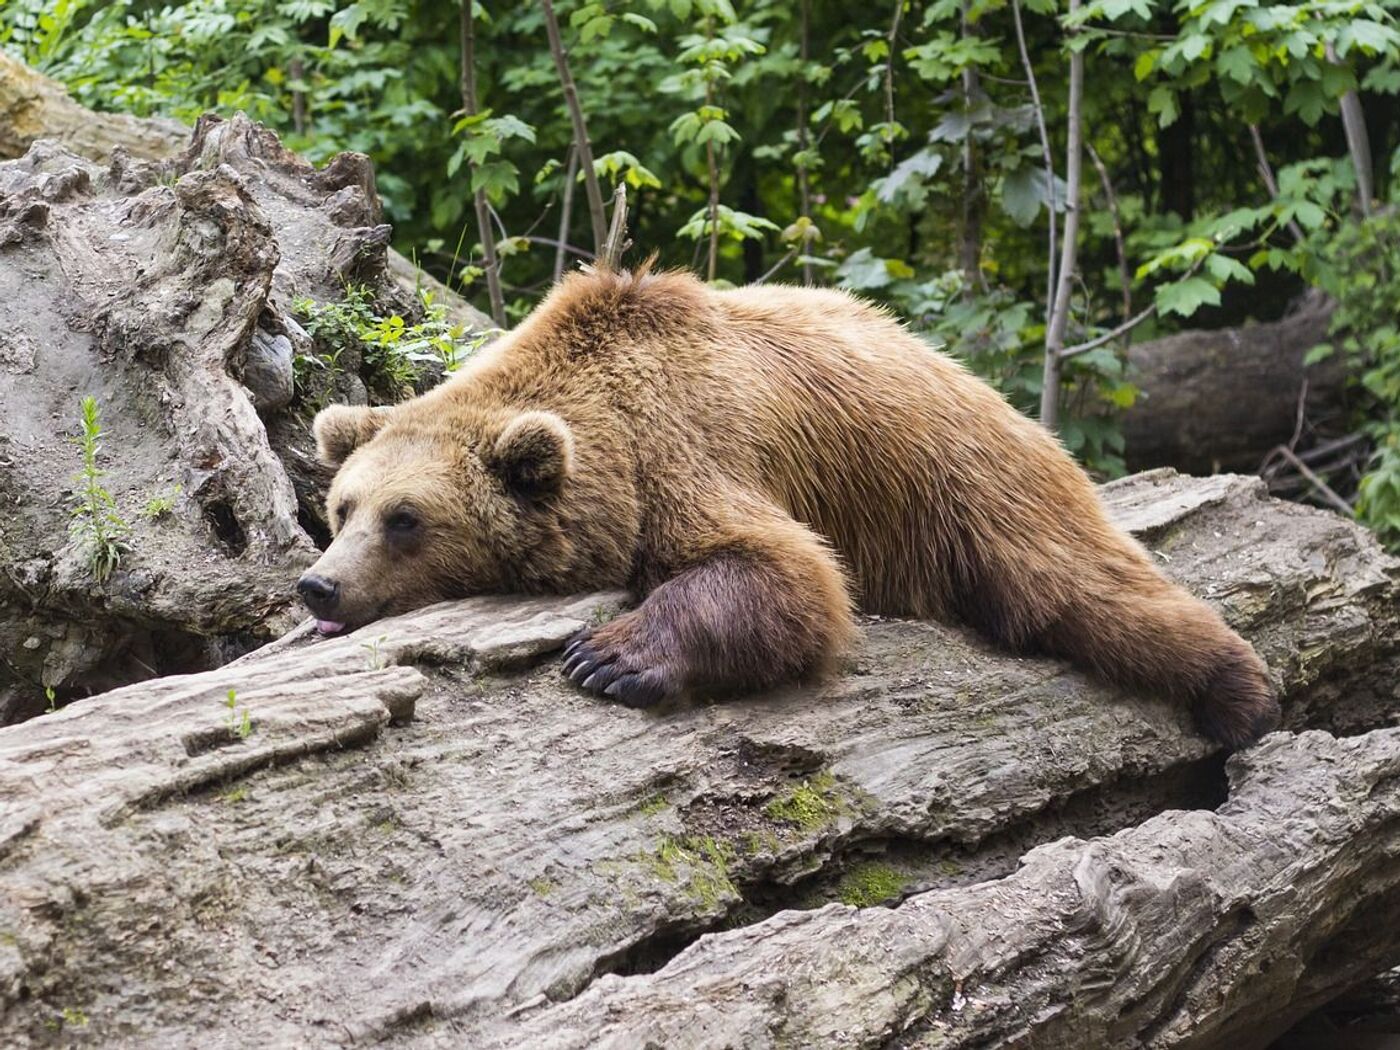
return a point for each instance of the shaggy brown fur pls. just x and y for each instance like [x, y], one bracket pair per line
[754, 463]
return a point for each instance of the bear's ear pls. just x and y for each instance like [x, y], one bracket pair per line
[534, 454]
[340, 429]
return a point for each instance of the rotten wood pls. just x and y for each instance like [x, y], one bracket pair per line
[165, 289]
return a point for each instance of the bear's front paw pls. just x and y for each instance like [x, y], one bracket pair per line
[611, 662]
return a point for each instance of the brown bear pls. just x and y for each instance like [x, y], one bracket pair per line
[752, 464]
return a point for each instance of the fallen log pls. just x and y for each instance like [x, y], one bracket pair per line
[1209, 928]
[415, 835]
[32, 107]
[165, 289]
[1223, 399]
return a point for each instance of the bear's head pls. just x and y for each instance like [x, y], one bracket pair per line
[424, 508]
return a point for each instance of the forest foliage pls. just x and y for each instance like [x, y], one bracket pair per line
[1226, 155]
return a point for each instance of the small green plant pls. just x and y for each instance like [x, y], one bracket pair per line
[375, 660]
[162, 504]
[52, 698]
[239, 720]
[234, 795]
[96, 523]
[397, 355]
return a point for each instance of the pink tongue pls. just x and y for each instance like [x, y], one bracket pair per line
[329, 626]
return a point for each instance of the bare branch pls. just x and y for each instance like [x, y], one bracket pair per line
[889, 60]
[1266, 172]
[804, 189]
[1358, 141]
[297, 70]
[1324, 490]
[791, 254]
[1127, 326]
[1125, 277]
[712, 173]
[974, 191]
[597, 216]
[617, 241]
[1112, 334]
[562, 247]
[566, 210]
[483, 215]
[1064, 287]
[1050, 284]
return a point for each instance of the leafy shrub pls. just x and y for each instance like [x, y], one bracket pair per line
[1360, 268]
[397, 357]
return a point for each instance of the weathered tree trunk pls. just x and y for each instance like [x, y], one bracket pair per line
[34, 107]
[416, 838]
[164, 289]
[1222, 399]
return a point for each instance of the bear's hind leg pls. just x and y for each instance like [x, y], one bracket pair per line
[762, 604]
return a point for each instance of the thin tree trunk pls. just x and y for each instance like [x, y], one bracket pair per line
[596, 214]
[1266, 172]
[804, 190]
[566, 211]
[1059, 318]
[1047, 156]
[1125, 277]
[483, 216]
[712, 172]
[712, 168]
[298, 70]
[974, 197]
[1358, 142]
[889, 61]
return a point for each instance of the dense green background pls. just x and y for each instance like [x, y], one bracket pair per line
[911, 123]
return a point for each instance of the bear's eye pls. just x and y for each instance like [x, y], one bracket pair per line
[402, 521]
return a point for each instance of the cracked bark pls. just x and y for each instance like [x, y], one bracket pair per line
[165, 289]
[428, 839]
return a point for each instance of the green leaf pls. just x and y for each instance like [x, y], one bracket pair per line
[1307, 99]
[1185, 297]
[1237, 64]
[1225, 269]
[907, 178]
[498, 178]
[863, 270]
[346, 23]
[1318, 354]
[1162, 101]
[1022, 192]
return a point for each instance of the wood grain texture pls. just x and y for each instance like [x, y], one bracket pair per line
[473, 876]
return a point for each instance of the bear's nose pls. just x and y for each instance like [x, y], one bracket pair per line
[319, 593]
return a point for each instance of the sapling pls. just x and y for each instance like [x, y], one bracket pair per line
[96, 523]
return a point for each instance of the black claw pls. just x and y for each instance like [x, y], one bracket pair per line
[573, 661]
[576, 640]
[637, 690]
[601, 678]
